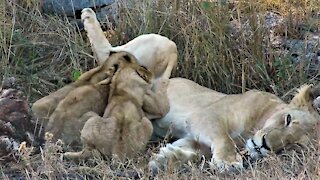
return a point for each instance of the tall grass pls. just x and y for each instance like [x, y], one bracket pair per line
[210, 54]
[47, 50]
[41, 51]
[44, 52]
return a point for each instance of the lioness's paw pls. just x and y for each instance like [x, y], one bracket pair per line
[225, 167]
[88, 15]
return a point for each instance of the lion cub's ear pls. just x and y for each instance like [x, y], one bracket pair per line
[145, 74]
[304, 97]
[130, 58]
[105, 81]
[127, 58]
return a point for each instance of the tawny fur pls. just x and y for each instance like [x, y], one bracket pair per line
[66, 121]
[157, 53]
[44, 107]
[124, 129]
[215, 124]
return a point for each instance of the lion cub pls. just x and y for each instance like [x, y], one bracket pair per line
[44, 107]
[123, 130]
[89, 93]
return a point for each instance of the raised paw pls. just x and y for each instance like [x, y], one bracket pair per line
[88, 15]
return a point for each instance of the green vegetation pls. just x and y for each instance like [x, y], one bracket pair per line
[46, 52]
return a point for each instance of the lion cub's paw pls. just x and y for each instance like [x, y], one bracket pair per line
[70, 155]
[88, 15]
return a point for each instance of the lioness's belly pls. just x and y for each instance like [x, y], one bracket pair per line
[185, 98]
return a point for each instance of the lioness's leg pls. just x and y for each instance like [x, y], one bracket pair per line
[99, 43]
[172, 64]
[215, 136]
[224, 154]
[180, 151]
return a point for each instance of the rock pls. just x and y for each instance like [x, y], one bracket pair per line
[9, 148]
[8, 83]
[72, 8]
[16, 125]
[303, 48]
[269, 20]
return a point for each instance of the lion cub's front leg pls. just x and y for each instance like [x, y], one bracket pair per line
[156, 102]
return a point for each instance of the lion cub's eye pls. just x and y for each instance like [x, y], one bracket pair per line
[288, 120]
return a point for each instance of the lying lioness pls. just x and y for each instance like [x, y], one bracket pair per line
[155, 52]
[215, 124]
[124, 129]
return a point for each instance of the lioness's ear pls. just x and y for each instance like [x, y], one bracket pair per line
[145, 74]
[303, 97]
[315, 91]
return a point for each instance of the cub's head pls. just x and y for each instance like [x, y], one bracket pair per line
[108, 68]
[130, 77]
[294, 124]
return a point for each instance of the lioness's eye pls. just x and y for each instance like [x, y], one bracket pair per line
[288, 119]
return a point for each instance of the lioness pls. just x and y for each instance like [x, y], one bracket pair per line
[155, 52]
[124, 129]
[215, 124]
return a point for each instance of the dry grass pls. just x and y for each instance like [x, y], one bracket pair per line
[44, 52]
[302, 164]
